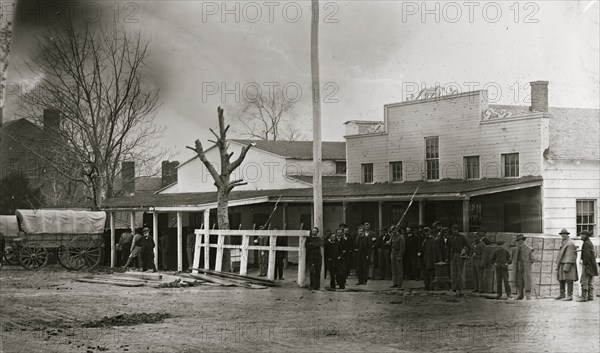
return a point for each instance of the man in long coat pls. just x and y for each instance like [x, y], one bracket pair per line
[589, 268]
[147, 251]
[411, 260]
[566, 267]
[398, 248]
[428, 252]
[363, 251]
[522, 258]
[478, 247]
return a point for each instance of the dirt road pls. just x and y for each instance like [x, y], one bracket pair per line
[47, 311]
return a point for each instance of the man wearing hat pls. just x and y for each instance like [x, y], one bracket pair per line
[589, 269]
[398, 247]
[477, 262]
[522, 258]
[363, 250]
[147, 250]
[428, 251]
[501, 260]
[457, 250]
[566, 268]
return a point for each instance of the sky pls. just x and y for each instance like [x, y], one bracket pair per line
[209, 54]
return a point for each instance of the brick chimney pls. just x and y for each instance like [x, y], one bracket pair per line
[51, 119]
[169, 172]
[128, 176]
[539, 96]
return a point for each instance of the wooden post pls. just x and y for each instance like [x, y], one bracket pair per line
[197, 248]
[271, 266]
[132, 222]
[207, 239]
[345, 212]
[179, 242]
[465, 215]
[421, 214]
[155, 235]
[301, 260]
[284, 215]
[244, 259]
[219, 260]
[113, 236]
[380, 214]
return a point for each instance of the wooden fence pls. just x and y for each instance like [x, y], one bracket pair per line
[203, 244]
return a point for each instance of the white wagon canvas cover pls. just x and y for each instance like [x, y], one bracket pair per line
[61, 221]
[9, 226]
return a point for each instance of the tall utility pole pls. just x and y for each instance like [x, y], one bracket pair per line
[316, 104]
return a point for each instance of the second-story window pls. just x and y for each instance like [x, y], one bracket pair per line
[340, 167]
[395, 171]
[510, 165]
[432, 158]
[471, 167]
[367, 172]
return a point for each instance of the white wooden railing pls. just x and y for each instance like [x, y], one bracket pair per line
[203, 244]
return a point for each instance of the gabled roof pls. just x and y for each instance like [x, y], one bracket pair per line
[574, 132]
[332, 150]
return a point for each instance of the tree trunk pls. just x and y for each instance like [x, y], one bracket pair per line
[223, 222]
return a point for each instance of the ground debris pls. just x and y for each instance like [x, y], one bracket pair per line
[128, 320]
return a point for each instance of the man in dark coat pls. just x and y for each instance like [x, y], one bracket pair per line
[374, 249]
[349, 239]
[477, 263]
[427, 252]
[566, 267]
[457, 249]
[385, 256]
[147, 253]
[314, 258]
[501, 260]
[411, 268]
[342, 263]
[442, 246]
[398, 245]
[589, 268]
[280, 255]
[363, 251]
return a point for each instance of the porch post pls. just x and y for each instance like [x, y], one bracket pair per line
[421, 214]
[244, 258]
[179, 242]
[271, 265]
[465, 215]
[284, 215]
[380, 215]
[132, 221]
[113, 249]
[155, 235]
[345, 212]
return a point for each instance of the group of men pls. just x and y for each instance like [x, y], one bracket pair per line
[398, 253]
[137, 248]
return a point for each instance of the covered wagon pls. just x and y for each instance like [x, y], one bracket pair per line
[76, 236]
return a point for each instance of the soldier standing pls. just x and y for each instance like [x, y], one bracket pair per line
[522, 258]
[589, 268]
[363, 250]
[457, 247]
[314, 258]
[566, 268]
[398, 247]
[427, 253]
[477, 262]
[385, 256]
[501, 260]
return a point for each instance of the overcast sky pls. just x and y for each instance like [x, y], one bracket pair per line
[372, 53]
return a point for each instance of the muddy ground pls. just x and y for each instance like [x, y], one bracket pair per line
[47, 311]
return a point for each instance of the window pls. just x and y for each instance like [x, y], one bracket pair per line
[471, 167]
[395, 171]
[432, 158]
[340, 167]
[474, 216]
[367, 172]
[510, 165]
[586, 219]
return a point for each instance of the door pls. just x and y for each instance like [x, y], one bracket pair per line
[512, 217]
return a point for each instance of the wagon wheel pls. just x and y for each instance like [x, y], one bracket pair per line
[33, 256]
[80, 253]
[11, 255]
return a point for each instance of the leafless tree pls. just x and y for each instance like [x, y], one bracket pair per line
[222, 179]
[268, 116]
[95, 79]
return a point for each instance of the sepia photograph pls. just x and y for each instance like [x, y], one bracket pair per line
[299, 176]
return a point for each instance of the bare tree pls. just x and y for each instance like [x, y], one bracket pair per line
[222, 179]
[268, 117]
[94, 78]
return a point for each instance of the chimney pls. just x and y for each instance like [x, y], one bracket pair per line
[169, 172]
[128, 176]
[51, 119]
[539, 96]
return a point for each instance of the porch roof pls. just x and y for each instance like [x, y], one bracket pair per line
[334, 190]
